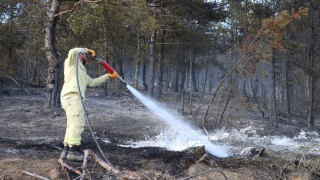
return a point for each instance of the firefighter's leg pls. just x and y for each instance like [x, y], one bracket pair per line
[72, 105]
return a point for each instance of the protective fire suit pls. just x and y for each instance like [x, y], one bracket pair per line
[70, 97]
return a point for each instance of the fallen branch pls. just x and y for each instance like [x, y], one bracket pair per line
[68, 174]
[282, 170]
[84, 165]
[103, 164]
[69, 167]
[34, 175]
[315, 172]
[88, 153]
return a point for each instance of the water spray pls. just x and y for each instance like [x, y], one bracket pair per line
[183, 129]
[108, 67]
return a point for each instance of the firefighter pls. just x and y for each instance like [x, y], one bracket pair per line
[71, 100]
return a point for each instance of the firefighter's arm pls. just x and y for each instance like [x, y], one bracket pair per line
[73, 55]
[97, 81]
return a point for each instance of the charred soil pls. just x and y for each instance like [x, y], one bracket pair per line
[30, 137]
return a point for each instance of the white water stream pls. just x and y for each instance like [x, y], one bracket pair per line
[180, 135]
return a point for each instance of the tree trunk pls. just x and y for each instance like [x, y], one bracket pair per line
[54, 64]
[144, 68]
[198, 80]
[183, 80]
[152, 65]
[182, 102]
[211, 78]
[27, 61]
[190, 80]
[137, 63]
[314, 15]
[120, 69]
[243, 87]
[254, 88]
[144, 73]
[263, 94]
[310, 103]
[245, 29]
[160, 66]
[136, 75]
[205, 78]
[228, 98]
[193, 75]
[176, 77]
[105, 88]
[273, 96]
[288, 82]
[281, 95]
[166, 77]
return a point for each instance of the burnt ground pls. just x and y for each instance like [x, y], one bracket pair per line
[28, 131]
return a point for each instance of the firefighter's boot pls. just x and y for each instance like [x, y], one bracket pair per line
[75, 154]
[64, 152]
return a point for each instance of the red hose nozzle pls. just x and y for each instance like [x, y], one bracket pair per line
[107, 67]
[104, 64]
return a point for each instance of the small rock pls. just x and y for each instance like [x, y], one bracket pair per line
[198, 151]
[249, 151]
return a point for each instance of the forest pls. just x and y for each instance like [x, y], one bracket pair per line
[245, 70]
[263, 52]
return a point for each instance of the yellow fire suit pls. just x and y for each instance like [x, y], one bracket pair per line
[70, 96]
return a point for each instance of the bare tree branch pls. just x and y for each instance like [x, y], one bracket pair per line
[40, 4]
[88, 153]
[96, 158]
[75, 6]
[11, 78]
[34, 175]
[69, 167]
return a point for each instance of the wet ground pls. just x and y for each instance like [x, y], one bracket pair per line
[28, 130]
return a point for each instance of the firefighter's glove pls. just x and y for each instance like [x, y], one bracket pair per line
[93, 54]
[114, 75]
